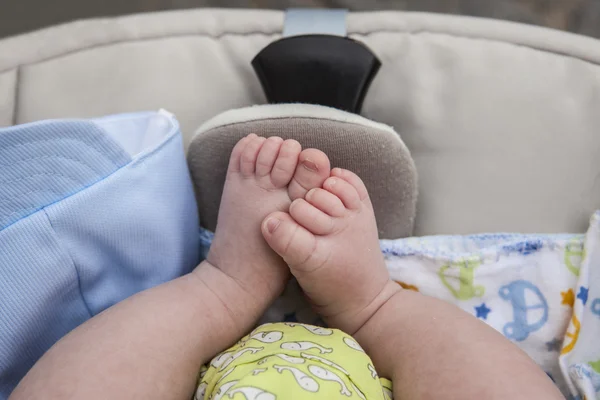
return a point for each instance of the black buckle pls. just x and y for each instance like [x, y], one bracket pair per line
[327, 70]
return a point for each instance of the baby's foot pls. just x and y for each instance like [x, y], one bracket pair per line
[329, 239]
[260, 171]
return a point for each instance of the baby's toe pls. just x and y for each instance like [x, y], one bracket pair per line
[267, 156]
[313, 168]
[310, 217]
[236, 153]
[344, 191]
[326, 202]
[285, 164]
[294, 243]
[250, 154]
[352, 179]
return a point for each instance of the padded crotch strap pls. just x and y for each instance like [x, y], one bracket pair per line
[374, 151]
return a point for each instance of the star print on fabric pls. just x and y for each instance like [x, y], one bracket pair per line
[583, 294]
[482, 311]
[291, 317]
[554, 345]
[568, 297]
[595, 365]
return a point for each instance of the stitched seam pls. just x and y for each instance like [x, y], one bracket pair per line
[66, 250]
[294, 117]
[50, 158]
[40, 174]
[25, 143]
[391, 132]
[482, 39]
[485, 256]
[132, 162]
[16, 96]
[417, 32]
[63, 198]
[145, 39]
[174, 132]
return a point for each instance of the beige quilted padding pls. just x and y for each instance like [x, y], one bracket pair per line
[502, 119]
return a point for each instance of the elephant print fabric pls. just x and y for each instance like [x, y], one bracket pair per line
[292, 361]
[542, 292]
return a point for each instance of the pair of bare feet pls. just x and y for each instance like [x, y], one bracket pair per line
[315, 222]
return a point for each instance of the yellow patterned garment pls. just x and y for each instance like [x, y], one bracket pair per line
[293, 361]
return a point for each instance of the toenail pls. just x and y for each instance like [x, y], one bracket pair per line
[331, 181]
[293, 205]
[310, 193]
[272, 224]
[309, 165]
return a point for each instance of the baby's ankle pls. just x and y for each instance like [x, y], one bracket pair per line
[261, 286]
[352, 322]
[235, 308]
[370, 332]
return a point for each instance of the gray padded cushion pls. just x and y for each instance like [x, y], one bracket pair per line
[391, 180]
[502, 119]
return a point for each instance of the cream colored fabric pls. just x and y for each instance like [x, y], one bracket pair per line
[8, 89]
[502, 119]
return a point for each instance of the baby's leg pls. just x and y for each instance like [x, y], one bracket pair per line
[430, 349]
[151, 345]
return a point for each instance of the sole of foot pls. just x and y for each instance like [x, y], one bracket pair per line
[329, 239]
[262, 175]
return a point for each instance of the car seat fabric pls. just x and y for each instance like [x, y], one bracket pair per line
[91, 212]
[501, 118]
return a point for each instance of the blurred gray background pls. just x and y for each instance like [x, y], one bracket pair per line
[580, 16]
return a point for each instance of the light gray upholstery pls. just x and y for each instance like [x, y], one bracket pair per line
[391, 181]
[502, 119]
